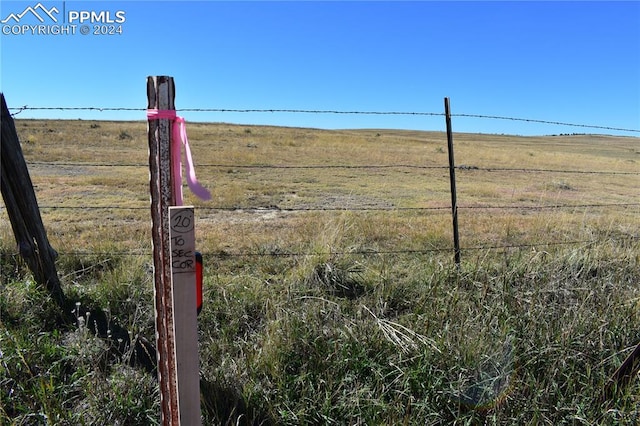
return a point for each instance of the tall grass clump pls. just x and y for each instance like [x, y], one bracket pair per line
[520, 337]
[56, 372]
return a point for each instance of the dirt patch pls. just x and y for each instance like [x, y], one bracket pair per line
[242, 216]
[345, 202]
[289, 209]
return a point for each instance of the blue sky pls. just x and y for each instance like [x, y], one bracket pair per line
[572, 62]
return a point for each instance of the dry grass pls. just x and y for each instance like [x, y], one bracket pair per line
[225, 155]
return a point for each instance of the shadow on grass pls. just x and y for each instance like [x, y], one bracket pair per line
[225, 405]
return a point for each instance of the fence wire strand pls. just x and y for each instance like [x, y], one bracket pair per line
[19, 110]
[222, 254]
[268, 209]
[346, 166]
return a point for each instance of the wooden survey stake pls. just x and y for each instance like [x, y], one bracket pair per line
[183, 278]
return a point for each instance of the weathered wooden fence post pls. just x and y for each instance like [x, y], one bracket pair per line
[452, 178]
[179, 398]
[34, 247]
[23, 211]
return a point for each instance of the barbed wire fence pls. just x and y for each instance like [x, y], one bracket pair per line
[444, 209]
[19, 110]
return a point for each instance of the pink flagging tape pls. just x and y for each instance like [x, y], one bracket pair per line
[179, 137]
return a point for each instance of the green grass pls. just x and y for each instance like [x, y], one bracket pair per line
[332, 318]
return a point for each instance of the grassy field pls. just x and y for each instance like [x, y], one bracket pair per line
[331, 295]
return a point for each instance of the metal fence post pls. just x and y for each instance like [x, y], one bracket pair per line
[452, 178]
[160, 95]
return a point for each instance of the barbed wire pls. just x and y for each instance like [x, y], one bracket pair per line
[321, 166]
[309, 111]
[557, 123]
[248, 209]
[99, 109]
[223, 254]
[247, 166]
[269, 209]
[345, 166]
[339, 112]
[550, 206]
[525, 170]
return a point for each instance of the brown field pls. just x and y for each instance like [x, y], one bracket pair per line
[282, 186]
